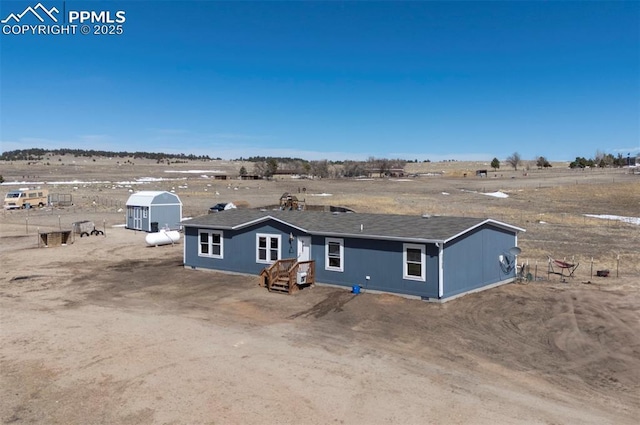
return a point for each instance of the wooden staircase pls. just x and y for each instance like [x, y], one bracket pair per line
[282, 276]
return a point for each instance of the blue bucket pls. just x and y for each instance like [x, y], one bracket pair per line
[355, 289]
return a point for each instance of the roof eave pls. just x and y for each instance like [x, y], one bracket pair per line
[489, 220]
[266, 218]
[376, 237]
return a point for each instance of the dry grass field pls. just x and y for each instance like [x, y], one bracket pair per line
[106, 330]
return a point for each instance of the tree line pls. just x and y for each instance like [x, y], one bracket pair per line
[38, 154]
[267, 167]
[601, 160]
[381, 167]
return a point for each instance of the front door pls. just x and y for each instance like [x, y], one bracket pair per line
[137, 218]
[304, 248]
[304, 252]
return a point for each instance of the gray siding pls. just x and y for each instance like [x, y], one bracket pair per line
[145, 222]
[131, 222]
[471, 261]
[165, 198]
[164, 215]
[239, 248]
[382, 261]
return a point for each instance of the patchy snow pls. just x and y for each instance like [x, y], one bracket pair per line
[497, 194]
[48, 183]
[321, 194]
[195, 171]
[630, 220]
[151, 179]
[401, 180]
[141, 180]
[445, 193]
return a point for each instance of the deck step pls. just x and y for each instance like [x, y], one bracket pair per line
[280, 285]
[283, 290]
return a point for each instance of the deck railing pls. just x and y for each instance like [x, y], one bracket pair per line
[283, 275]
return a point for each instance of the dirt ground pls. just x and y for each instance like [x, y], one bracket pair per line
[107, 330]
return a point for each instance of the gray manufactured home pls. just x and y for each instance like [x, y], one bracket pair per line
[150, 211]
[435, 258]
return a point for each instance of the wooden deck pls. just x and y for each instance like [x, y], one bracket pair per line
[288, 275]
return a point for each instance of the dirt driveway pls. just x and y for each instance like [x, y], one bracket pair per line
[107, 330]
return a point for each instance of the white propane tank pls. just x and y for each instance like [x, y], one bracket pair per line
[163, 237]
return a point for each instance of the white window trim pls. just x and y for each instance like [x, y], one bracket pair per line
[326, 254]
[269, 236]
[211, 232]
[423, 261]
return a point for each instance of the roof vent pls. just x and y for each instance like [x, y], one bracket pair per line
[426, 215]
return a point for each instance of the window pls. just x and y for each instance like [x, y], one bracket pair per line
[414, 262]
[334, 254]
[210, 244]
[267, 248]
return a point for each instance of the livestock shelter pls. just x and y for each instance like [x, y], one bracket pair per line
[428, 257]
[150, 211]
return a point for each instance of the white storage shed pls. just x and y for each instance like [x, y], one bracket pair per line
[150, 211]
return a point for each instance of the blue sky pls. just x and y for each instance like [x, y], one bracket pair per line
[329, 80]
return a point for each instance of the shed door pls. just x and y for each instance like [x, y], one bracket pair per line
[137, 218]
[304, 248]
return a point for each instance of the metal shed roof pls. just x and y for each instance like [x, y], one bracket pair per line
[146, 198]
[371, 226]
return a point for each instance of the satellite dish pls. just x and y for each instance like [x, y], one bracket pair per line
[508, 259]
[515, 251]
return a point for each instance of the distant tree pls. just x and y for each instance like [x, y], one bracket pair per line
[259, 168]
[266, 168]
[542, 162]
[1, 179]
[306, 167]
[385, 166]
[243, 171]
[581, 162]
[495, 164]
[619, 161]
[272, 167]
[608, 160]
[353, 169]
[320, 168]
[514, 160]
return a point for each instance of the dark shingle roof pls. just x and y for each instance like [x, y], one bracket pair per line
[372, 226]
